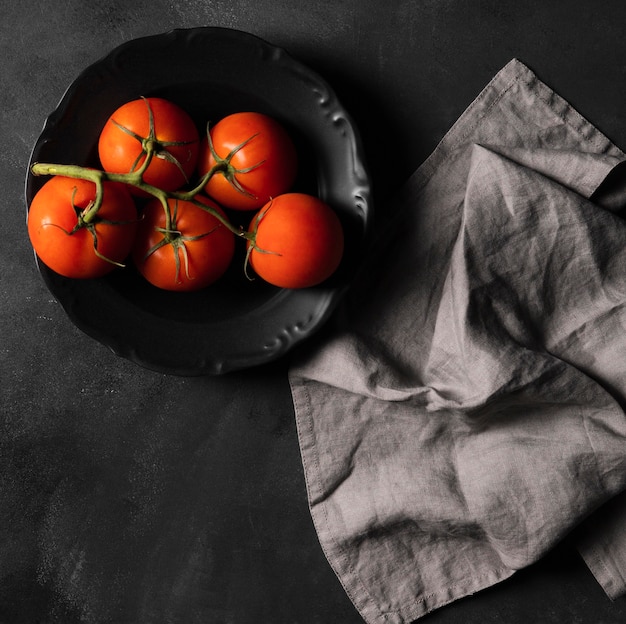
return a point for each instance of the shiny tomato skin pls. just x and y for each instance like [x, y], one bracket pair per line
[270, 153]
[52, 215]
[120, 152]
[201, 263]
[299, 241]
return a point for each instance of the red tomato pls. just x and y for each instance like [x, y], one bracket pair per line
[264, 163]
[298, 243]
[196, 253]
[121, 146]
[54, 213]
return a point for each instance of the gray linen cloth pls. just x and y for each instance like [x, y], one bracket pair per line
[466, 410]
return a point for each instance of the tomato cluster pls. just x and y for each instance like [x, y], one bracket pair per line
[163, 197]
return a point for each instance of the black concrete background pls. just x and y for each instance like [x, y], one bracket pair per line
[128, 496]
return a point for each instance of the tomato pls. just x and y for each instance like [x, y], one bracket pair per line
[264, 163]
[195, 254]
[121, 143]
[54, 215]
[298, 241]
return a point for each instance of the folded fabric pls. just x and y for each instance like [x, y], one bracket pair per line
[466, 410]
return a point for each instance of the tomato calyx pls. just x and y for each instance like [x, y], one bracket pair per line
[252, 245]
[91, 228]
[151, 146]
[176, 239]
[87, 218]
[227, 169]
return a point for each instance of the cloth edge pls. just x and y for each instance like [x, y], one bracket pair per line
[495, 89]
[606, 566]
[487, 97]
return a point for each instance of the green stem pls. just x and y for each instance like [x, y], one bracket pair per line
[135, 179]
[150, 147]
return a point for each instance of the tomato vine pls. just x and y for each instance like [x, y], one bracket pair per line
[251, 144]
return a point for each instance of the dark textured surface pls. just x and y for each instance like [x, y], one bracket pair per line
[127, 496]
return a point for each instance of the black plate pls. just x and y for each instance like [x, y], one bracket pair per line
[210, 72]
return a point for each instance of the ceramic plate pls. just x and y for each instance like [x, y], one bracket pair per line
[210, 72]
